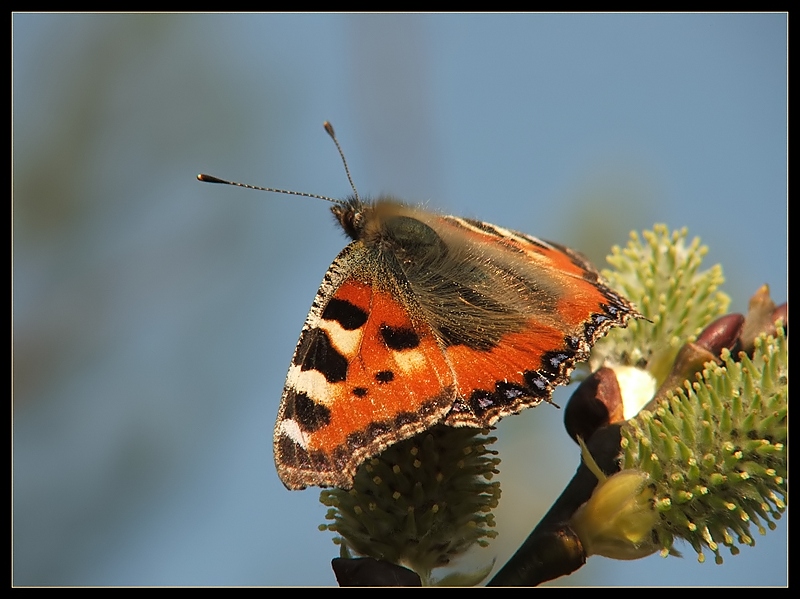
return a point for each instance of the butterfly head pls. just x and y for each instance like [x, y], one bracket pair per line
[350, 214]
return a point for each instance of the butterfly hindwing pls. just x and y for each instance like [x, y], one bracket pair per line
[565, 308]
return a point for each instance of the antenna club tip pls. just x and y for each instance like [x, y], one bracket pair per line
[209, 179]
[329, 128]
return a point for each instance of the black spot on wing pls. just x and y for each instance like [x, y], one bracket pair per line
[537, 383]
[618, 307]
[315, 352]
[348, 315]
[554, 363]
[594, 325]
[384, 376]
[360, 391]
[307, 413]
[399, 338]
[481, 400]
[505, 398]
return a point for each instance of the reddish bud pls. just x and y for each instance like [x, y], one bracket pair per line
[595, 403]
[721, 334]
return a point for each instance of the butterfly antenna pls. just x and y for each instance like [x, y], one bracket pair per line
[210, 179]
[329, 130]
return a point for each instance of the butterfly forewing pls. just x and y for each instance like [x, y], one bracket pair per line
[367, 372]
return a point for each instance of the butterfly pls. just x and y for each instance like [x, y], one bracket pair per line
[426, 319]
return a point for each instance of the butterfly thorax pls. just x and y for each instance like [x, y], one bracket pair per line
[391, 226]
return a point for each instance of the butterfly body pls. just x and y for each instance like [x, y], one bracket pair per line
[425, 319]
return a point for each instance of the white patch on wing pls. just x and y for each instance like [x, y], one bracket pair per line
[520, 238]
[409, 361]
[346, 342]
[470, 226]
[310, 382]
[291, 429]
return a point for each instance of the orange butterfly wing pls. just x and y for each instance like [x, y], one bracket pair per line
[367, 372]
[569, 309]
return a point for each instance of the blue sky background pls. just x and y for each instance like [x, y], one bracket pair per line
[154, 316]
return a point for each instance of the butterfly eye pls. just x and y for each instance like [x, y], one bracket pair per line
[351, 217]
